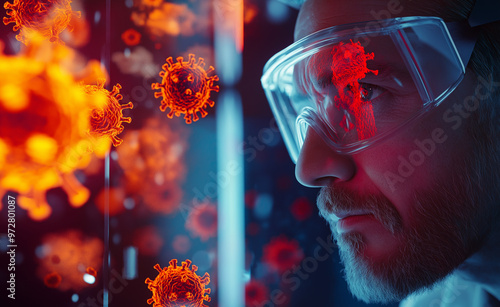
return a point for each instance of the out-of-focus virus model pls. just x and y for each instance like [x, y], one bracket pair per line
[52, 280]
[186, 88]
[181, 244]
[148, 241]
[179, 286]
[107, 120]
[152, 160]
[202, 221]
[301, 209]
[256, 293]
[281, 254]
[131, 37]
[70, 254]
[43, 137]
[91, 271]
[49, 18]
[161, 19]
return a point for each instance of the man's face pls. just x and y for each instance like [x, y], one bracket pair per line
[401, 223]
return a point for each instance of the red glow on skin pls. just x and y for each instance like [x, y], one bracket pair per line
[348, 67]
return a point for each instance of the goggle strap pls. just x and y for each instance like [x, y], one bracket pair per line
[464, 38]
[483, 12]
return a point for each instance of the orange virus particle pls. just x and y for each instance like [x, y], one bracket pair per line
[348, 67]
[256, 293]
[153, 165]
[131, 37]
[107, 120]
[281, 254]
[115, 198]
[202, 221]
[42, 136]
[52, 280]
[179, 286]
[49, 18]
[91, 271]
[148, 241]
[72, 255]
[186, 88]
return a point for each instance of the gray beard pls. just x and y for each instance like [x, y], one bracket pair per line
[449, 223]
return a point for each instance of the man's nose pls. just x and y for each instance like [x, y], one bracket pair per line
[319, 165]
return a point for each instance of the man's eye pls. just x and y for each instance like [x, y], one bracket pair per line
[370, 92]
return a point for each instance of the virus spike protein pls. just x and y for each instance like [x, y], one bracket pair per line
[49, 19]
[107, 121]
[186, 88]
[178, 286]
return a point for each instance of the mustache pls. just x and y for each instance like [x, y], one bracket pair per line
[335, 199]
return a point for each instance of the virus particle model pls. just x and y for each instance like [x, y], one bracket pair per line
[72, 255]
[181, 244]
[107, 121]
[131, 37]
[153, 165]
[186, 88]
[43, 138]
[281, 254]
[148, 241]
[178, 286]
[49, 18]
[348, 67]
[256, 293]
[91, 271]
[202, 221]
[301, 209]
[114, 199]
[52, 280]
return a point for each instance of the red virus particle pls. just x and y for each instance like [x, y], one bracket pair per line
[181, 244]
[253, 229]
[186, 88]
[202, 221]
[131, 37]
[107, 121]
[255, 293]
[301, 209]
[179, 286]
[348, 67]
[52, 280]
[116, 197]
[49, 18]
[148, 241]
[281, 254]
[91, 271]
[251, 198]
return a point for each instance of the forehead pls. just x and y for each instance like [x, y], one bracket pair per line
[319, 14]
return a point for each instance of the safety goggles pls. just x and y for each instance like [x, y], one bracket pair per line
[357, 84]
